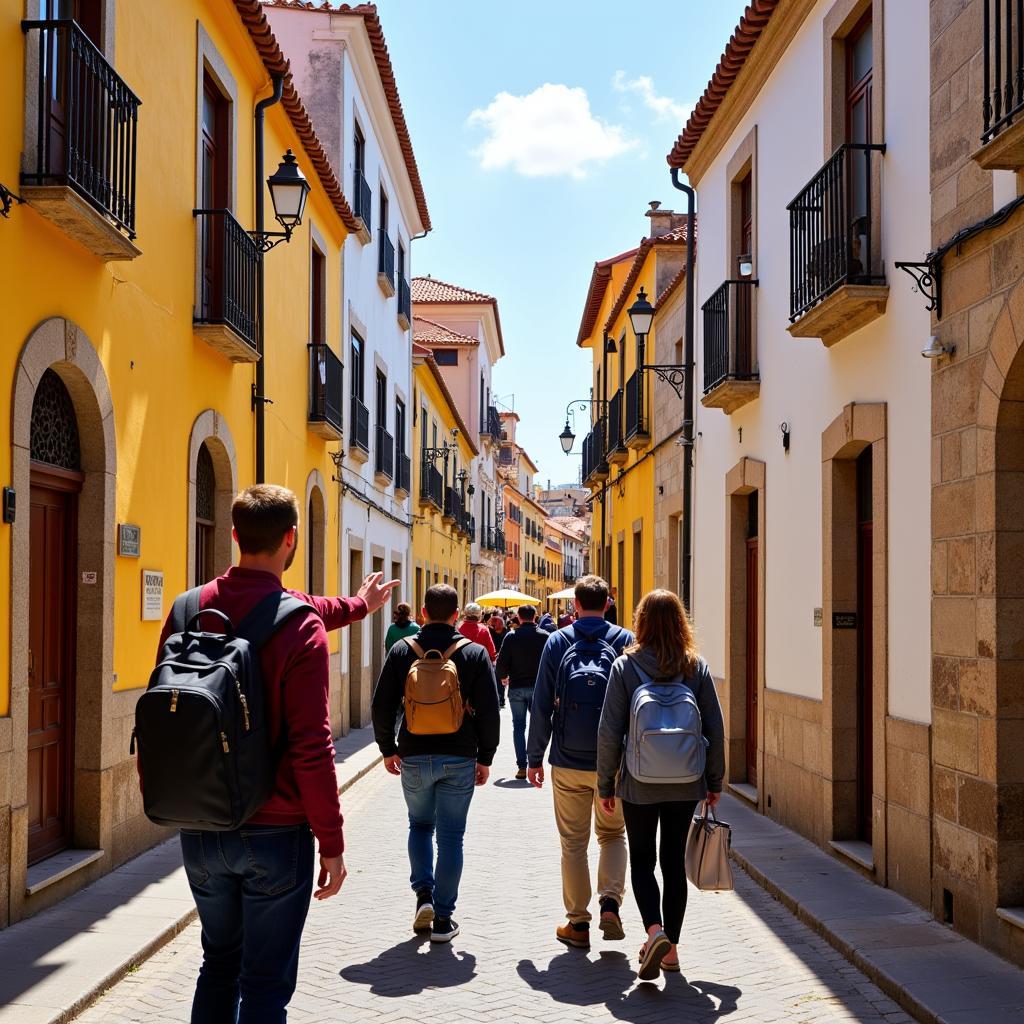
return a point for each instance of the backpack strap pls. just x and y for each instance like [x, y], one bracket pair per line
[415, 648]
[185, 608]
[457, 646]
[269, 615]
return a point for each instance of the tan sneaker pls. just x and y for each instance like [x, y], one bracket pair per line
[575, 935]
[611, 926]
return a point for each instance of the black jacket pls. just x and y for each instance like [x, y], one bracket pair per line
[519, 657]
[478, 737]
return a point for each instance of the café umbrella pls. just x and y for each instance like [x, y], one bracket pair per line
[506, 599]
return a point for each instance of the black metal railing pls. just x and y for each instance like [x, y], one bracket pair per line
[499, 540]
[568, 577]
[493, 422]
[325, 386]
[360, 426]
[403, 471]
[363, 198]
[471, 530]
[431, 484]
[728, 333]
[384, 460]
[229, 270]
[1003, 88]
[833, 238]
[452, 503]
[404, 299]
[386, 259]
[593, 451]
[86, 122]
[615, 443]
[636, 420]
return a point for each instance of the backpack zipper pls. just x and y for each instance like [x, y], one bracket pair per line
[224, 743]
[174, 700]
[245, 704]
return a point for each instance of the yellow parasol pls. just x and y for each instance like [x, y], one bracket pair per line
[505, 598]
[563, 595]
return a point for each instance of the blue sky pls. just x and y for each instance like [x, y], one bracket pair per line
[541, 133]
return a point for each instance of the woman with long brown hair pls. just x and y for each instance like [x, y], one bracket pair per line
[664, 655]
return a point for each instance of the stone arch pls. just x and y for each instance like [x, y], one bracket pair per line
[60, 345]
[211, 429]
[314, 518]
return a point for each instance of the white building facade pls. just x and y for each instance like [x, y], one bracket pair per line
[339, 59]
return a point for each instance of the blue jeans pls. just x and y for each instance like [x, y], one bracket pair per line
[521, 699]
[438, 790]
[252, 888]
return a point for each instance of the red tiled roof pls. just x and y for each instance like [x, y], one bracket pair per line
[599, 278]
[755, 18]
[430, 332]
[676, 237]
[368, 12]
[274, 61]
[431, 290]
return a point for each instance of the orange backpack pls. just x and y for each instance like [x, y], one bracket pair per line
[433, 701]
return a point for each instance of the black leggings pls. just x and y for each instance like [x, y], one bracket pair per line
[642, 822]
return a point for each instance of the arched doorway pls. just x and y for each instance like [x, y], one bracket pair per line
[314, 529]
[56, 482]
[213, 472]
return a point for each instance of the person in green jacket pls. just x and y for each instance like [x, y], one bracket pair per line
[401, 627]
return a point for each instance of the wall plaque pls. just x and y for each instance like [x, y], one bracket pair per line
[844, 620]
[129, 540]
[152, 595]
[817, 616]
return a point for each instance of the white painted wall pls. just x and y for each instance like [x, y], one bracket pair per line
[807, 385]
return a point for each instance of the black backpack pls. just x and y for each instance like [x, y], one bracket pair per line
[205, 753]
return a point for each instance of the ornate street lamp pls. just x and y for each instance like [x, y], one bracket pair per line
[566, 438]
[288, 192]
[641, 315]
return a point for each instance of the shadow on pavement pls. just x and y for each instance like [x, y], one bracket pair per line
[575, 979]
[408, 969]
[512, 783]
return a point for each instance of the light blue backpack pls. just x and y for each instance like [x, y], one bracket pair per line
[666, 742]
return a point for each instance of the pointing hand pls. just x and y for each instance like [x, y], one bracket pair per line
[375, 593]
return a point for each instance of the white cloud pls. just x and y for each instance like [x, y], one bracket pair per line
[550, 131]
[664, 107]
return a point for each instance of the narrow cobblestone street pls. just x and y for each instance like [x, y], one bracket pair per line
[745, 957]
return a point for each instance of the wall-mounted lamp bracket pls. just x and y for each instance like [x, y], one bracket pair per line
[928, 277]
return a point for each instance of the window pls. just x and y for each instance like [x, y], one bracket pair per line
[859, 66]
[746, 240]
[401, 262]
[400, 425]
[423, 428]
[383, 213]
[446, 356]
[359, 152]
[382, 398]
[357, 366]
[318, 298]
[213, 185]
[86, 12]
[206, 512]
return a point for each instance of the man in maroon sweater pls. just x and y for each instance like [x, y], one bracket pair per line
[252, 886]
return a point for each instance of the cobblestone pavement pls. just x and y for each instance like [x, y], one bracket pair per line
[745, 957]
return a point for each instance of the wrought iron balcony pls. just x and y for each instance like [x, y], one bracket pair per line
[86, 129]
[363, 200]
[404, 303]
[386, 264]
[1003, 85]
[835, 249]
[491, 426]
[431, 485]
[636, 432]
[730, 379]
[403, 471]
[384, 461]
[229, 262]
[452, 504]
[617, 450]
[325, 388]
[595, 467]
[359, 430]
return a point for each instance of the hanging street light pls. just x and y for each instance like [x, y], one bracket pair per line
[641, 315]
[288, 192]
[567, 438]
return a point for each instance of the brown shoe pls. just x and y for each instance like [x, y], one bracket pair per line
[575, 935]
[521, 774]
[611, 926]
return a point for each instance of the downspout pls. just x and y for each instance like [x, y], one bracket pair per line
[259, 399]
[688, 408]
[604, 490]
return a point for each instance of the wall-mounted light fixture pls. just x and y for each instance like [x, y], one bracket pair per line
[288, 192]
[784, 427]
[935, 349]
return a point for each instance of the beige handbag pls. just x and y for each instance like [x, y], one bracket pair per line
[707, 852]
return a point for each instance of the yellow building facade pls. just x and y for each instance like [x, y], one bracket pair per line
[618, 463]
[443, 528]
[132, 335]
[534, 552]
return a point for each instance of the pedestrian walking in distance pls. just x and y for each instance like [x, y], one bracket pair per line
[518, 663]
[499, 631]
[567, 701]
[401, 626]
[660, 691]
[473, 629]
[251, 881]
[444, 684]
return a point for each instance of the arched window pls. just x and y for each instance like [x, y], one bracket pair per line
[206, 516]
[316, 534]
[54, 430]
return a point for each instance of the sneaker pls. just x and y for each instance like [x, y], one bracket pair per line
[655, 950]
[444, 929]
[611, 923]
[424, 911]
[573, 934]
[521, 774]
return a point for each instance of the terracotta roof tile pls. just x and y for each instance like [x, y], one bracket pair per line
[425, 357]
[676, 237]
[599, 278]
[432, 290]
[368, 12]
[274, 61]
[755, 18]
[430, 332]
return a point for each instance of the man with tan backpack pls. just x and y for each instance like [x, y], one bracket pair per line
[445, 687]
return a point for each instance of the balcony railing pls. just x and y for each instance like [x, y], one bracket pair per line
[86, 123]
[230, 262]
[615, 442]
[593, 451]
[636, 421]
[360, 426]
[431, 484]
[452, 504]
[386, 259]
[728, 334]
[404, 300]
[403, 471]
[491, 423]
[833, 237]
[384, 461]
[363, 199]
[1003, 88]
[325, 386]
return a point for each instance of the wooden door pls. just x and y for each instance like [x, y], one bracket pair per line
[865, 645]
[213, 187]
[51, 659]
[752, 659]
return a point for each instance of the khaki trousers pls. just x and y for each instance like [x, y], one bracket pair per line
[576, 805]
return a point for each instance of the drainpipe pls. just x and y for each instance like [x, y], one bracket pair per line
[688, 408]
[259, 399]
[604, 490]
